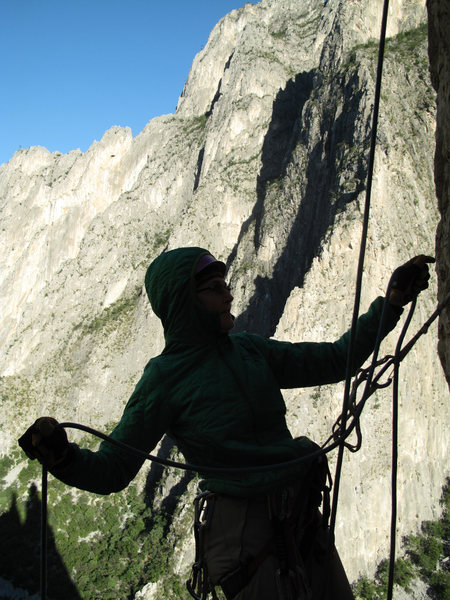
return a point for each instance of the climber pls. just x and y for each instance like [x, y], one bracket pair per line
[217, 395]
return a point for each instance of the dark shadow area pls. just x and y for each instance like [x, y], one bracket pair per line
[281, 138]
[171, 501]
[20, 553]
[201, 154]
[321, 200]
[280, 141]
[208, 113]
[154, 479]
[216, 98]
[219, 87]
[284, 128]
[156, 470]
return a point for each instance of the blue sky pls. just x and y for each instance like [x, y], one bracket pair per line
[71, 69]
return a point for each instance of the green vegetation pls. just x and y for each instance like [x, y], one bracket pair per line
[279, 35]
[114, 314]
[99, 547]
[19, 393]
[161, 238]
[200, 121]
[309, 25]
[110, 547]
[403, 45]
[432, 548]
[426, 558]
[195, 124]
[406, 42]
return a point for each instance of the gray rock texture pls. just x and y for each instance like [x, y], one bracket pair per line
[265, 163]
[439, 53]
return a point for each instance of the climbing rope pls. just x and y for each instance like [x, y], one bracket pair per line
[332, 443]
[43, 578]
[395, 452]
[351, 410]
[365, 228]
[385, 363]
[348, 406]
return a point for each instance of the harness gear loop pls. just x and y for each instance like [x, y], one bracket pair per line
[198, 585]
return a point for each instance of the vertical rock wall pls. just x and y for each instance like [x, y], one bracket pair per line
[264, 162]
[439, 53]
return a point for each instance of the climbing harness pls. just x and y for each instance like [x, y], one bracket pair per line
[291, 516]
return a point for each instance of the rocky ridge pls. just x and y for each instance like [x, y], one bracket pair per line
[264, 163]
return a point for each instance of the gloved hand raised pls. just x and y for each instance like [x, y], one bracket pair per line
[46, 441]
[409, 280]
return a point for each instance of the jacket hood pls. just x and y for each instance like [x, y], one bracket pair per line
[170, 286]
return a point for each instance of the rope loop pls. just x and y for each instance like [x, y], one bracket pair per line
[328, 446]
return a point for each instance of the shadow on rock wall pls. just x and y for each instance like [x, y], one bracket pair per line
[317, 195]
[20, 552]
[155, 481]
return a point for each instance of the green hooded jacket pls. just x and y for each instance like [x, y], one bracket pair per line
[216, 395]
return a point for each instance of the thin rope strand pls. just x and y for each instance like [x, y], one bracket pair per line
[360, 267]
[43, 575]
[394, 468]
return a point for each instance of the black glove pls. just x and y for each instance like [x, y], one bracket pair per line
[409, 280]
[45, 440]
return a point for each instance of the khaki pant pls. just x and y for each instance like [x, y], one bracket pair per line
[240, 528]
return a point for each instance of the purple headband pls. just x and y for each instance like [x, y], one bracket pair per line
[206, 260]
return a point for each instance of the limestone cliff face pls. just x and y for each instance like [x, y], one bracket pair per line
[439, 52]
[264, 162]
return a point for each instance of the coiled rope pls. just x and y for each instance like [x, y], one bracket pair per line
[330, 445]
[347, 408]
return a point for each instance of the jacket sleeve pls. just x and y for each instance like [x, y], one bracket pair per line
[110, 469]
[309, 363]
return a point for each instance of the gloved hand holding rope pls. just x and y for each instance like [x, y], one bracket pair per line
[409, 280]
[46, 441]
